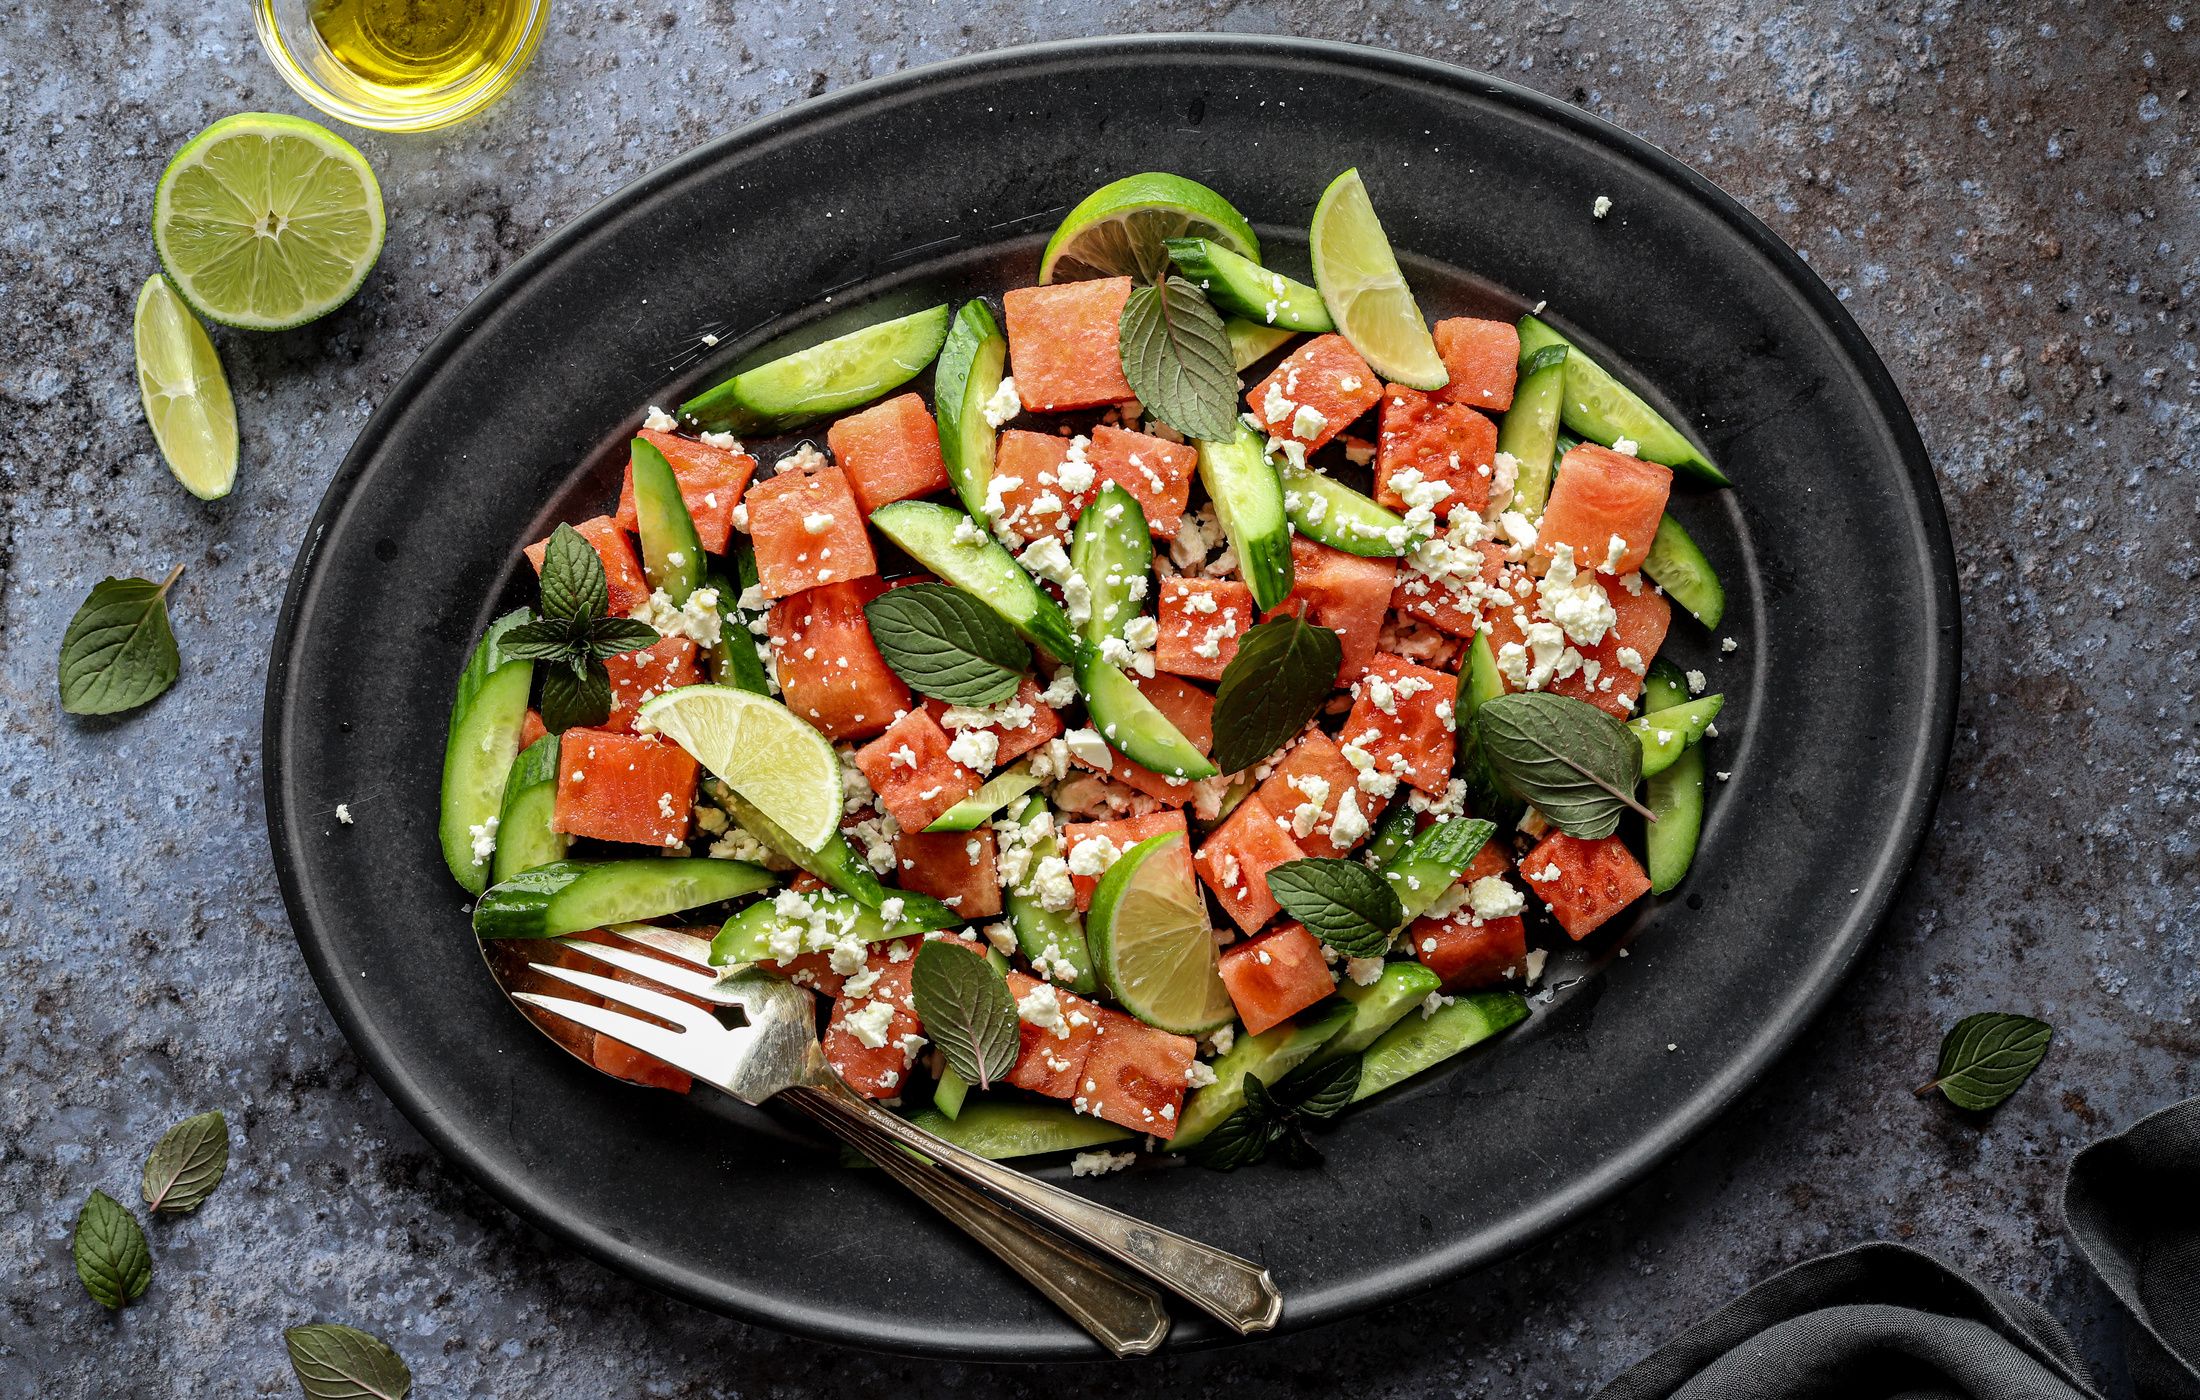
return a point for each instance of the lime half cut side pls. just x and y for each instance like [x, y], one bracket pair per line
[1119, 230]
[1365, 292]
[185, 393]
[760, 749]
[265, 221]
[1151, 942]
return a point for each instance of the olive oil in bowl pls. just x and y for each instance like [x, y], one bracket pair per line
[400, 65]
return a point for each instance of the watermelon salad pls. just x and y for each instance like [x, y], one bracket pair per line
[1255, 680]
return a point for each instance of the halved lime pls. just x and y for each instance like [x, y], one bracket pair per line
[760, 749]
[185, 393]
[1151, 943]
[824, 379]
[265, 221]
[1366, 293]
[1118, 230]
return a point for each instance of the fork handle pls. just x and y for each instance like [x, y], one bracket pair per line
[1121, 1313]
[1236, 1292]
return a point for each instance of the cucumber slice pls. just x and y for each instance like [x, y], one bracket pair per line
[573, 896]
[672, 554]
[1379, 1005]
[525, 837]
[969, 374]
[838, 865]
[1248, 499]
[1239, 286]
[1677, 566]
[1272, 1054]
[486, 717]
[948, 1095]
[761, 933]
[1131, 724]
[823, 380]
[1667, 733]
[1603, 410]
[1323, 508]
[1051, 939]
[1112, 550]
[1436, 858]
[996, 1129]
[978, 808]
[735, 660]
[974, 561]
[1676, 797]
[1529, 431]
[1483, 684]
[1418, 1042]
[1249, 340]
[1392, 834]
[1663, 687]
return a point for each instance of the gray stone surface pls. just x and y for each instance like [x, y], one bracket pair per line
[2004, 196]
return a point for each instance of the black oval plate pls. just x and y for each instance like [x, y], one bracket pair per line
[940, 182]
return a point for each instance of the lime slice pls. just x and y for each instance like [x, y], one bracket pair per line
[1151, 943]
[1365, 292]
[185, 393]
[1118, 230]
[760, 749]
[266, 221]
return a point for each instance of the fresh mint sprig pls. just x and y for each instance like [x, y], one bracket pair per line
[1278, 1117]
[1283, 671]
[573, 637]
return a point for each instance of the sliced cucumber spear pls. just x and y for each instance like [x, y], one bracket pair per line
[1392, 834]
[1238, 286]
[1678, 567]
[525, 836]
[672, 554]
[1676, 793]
[1324, 509]
[1248, 499]
[975, 810]
[1131, 724]
[1433, 860]
[735, 660]
[1379, 1005]
[1250, 340]
[825, 379]
[838, 865]
[969, 374]
[1529, 432]
[996, 1129]
[761, 933]
[1603, 410]
[486, 717]
[1272, 1054]
[1112, 550]
[1667, 733]
[573, 896]
[1050, 938]
[1483, 684]
[956, 548]
[1418, 1042]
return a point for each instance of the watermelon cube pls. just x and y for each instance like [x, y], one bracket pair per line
[808, 532]
[1458, 606]
[1316, 393]
[1124, 832]
[955, 867]
[1307, 789]
[1027, 477]
[637, 676]
[1235, 861]
[1184, 705]
[1276, 975]
[1443, 442]
[1156, 471]
[531, 729]
[1484, 360]
[1051, 1059]
[875, 1071]
[890, 452]
[711, 482]
[1343, 592]
[909, 769]
[622, 568]
[1605, 506]
[1467, 951]
[830, 671]
[1135, 1075]
[623, 787]
[1642, 617]
[1025, 723]
[1402, 719]
[1201, 620]
[1064, 343]
[1584, 883]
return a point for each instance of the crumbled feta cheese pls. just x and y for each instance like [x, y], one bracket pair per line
[1626, 446]
[659, 421]
[975, 749]
[724, 442]
[1537, 957]
[1087, 744]
[343, 813]
[1575, 600]
[1042, 1007]
[1602, 206]
[697, 619]
[1093, 856]
[1492, 897]
[1075, 475]
[1348, 826]
[1363, 971]
[1046, 559]
[868, 1022]
[1199, 1075]
[1696, 682]
[1004, 405]
[1307, 422]
[1100, 1163]
[817, 522]
[484, 837]
[1728, 644]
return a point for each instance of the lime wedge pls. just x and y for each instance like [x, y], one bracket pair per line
[1151, 943]
[760, 749]
[185, 393]
[1365, 292]
[265, 221]
[1118, 230]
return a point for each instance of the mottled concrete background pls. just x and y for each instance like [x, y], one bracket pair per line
[2004, 196]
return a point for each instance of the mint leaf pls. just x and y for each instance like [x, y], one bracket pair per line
[1453, 843]
[573, 582]
[118, 652]
[1239, 1140]
[1987, 1057]
[335, 1362]
[947, 644]
[1176, 355]
[616, 636]
[575, 696]
[1577, 764]
[545, 639]
[111, 1257]
[1283, 671]
[1319, 1092]
[964, 1004]
[187, 1163]
[1277, 1117]
[1342, 902]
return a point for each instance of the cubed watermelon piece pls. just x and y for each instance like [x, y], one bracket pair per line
[875, 1071]
[955, 867]
[623, 787]
[1235, 861]
[1065, 344]
[830, 671]
[1276, 975]
[1316, 392]
[1443, 442]
[711, 482]
[1192, 711]
[1642, 617]
[1135, 1075]
[1601, 496]
[1457, 606]
[622, 568]
[1026, 723]
[890, 452]
[1027, 477]
[1201, 620]
[1484, 360]
[1315, 780]
[1154, 470]
[1125, 832]
[1467, 951]
[1402, 717]
[1584, 883]
[531, 729]
[909, 769]
[808, 532]
[1494, 859]
[1343, 592]
[637, 676]
[1051, 1060]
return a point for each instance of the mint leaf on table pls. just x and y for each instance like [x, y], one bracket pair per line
[111, 1255]
[1283, 672]
[1575, 763]
[947, 644]
[965, 1006]
[1278, 1116]
[1342, 902]
[1987, 1057]
[118, 651]
[187, 1163]
[573, 637]
[1176, 355]
[335, 1362]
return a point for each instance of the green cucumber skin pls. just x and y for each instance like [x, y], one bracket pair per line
[1248, 497]
[571, 896]
[1416, 1043]
[772, 397]
[1685, 722]
[1050, 935]
[735, 661]
[1250, 341]
[1676, 565]
[1132, 726]
[997, 1129]
[948, 1095]
[1603, 410]
[747, 936]
[1239, 286]
[970, 370]
[667, 530]
[1393, 833]
[838, 865]
[1485, 793]
[1676, 797]
[525, 837]
[989, 573]
[1346, 519]
[1272, 1054]
[1663, 687]
[487, 714]
[1112, 556]
[1379, 1005]
[977, 809]
[1419, 879]
[1530, 427]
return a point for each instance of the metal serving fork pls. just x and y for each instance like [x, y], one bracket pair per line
[777, 1052]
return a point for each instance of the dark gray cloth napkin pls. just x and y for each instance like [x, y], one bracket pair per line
[1887, 1322]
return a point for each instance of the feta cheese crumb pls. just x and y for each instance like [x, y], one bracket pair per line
[659, 421]
[1089, 746]
[817, 522]
[1493, 897]
[1728, 644]
[484, 840]
[868, 1022]
[1602, 206]
[1100, 1163]
[1363, 971]
[975, 749]
[343, 813]
[1004, 405]
[1696, 682]
[1042, 1007]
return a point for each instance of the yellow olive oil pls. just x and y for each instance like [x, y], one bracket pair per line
[420, 44]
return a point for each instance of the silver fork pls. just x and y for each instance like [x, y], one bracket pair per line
[777, 1052]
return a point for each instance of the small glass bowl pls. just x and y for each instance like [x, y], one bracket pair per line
[303, 58]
